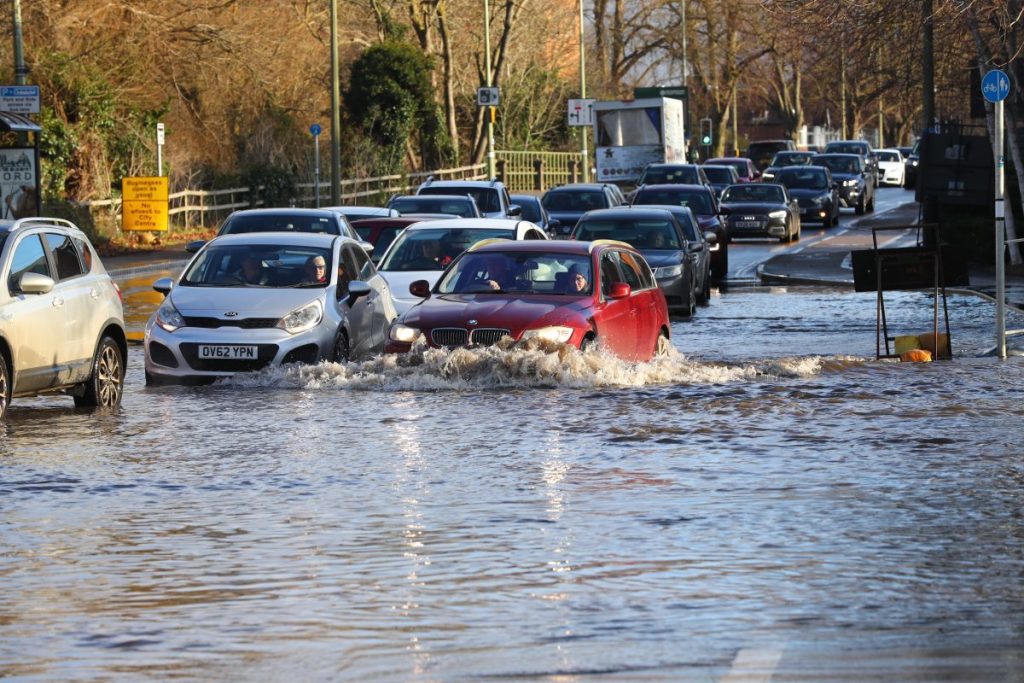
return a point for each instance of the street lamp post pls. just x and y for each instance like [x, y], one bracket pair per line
[489, 110]
[583, 94]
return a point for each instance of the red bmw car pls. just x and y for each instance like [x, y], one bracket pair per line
[578, 293]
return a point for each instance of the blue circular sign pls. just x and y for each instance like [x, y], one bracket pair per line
[995, 86]
[315, 129]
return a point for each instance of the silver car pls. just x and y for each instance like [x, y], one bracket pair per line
[61, 316]
[250, 301]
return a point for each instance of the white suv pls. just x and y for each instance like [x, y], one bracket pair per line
[61, 317]
[491, 196]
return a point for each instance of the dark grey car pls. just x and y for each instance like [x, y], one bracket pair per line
[855, 181]
[657, 235]
[761, 210]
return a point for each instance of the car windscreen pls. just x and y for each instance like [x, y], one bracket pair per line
[259, 265]
[449, 205]
[720, 174]
[698, 200]
[840, 148]
[279, 222]
[385, 236]
[753, 192]
[887, 156]
[574, 200]
[641, 233]
[434, 248]
[803, 179]
[847, 164]
[522, 273]
[685, 175]
[792, 159]
[486, 197]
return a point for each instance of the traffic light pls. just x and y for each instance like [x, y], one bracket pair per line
[705, 132]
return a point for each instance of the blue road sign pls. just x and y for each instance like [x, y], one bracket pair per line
[315, 129]
[995, 86]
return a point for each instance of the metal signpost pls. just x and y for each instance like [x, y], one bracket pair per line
[995, 86]
[159, 149]
[315, 131]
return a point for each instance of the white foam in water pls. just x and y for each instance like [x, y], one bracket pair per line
[507, 365]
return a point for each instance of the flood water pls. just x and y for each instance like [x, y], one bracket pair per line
[768, 503]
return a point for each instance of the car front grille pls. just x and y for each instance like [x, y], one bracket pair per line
[458, 336]
[244, 323]
[264, 355]
[449, 336]
[488, 336]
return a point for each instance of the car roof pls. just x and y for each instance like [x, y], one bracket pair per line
[577, 247]
[528, 197]
[284, 210]
[463, 183]
[509, 224]
[9, 226]
[675, 186]
[284, 239]
[711, 161]
[434, 197]
[590, 187]
[385, 222]
[635, 211]
[837, 155]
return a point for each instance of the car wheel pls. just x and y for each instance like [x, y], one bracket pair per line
[796, 235]
[588, 343]
[340, 352]
[871, 204]
[859, 209]
[690, 304]
[5, 387]
[834, 220]
[106, 385]
[722, 270]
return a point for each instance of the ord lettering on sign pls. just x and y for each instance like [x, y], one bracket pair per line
[144, 204]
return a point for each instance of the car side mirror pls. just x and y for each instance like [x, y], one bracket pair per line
[367, 246]
[420, 288]
[515, 210]
[620, 290]
[164, 285]
[356, 289]
[710, 237]
[35, 283]
[194, 246]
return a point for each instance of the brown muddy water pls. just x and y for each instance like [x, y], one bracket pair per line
[768, 503]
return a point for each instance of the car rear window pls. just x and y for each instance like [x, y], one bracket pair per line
[803, 178]
[675, 175]
[487, 199]
[433, 249]
[699, 202]
[640, 234]
[237, 225]
[574, 201]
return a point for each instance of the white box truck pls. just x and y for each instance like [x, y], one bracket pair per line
[633, 133]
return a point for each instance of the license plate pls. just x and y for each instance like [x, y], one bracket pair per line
[232, 351]
[748, 224]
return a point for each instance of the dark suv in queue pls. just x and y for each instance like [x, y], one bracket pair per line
[856, 182]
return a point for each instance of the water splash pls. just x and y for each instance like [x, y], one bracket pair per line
[534, 364]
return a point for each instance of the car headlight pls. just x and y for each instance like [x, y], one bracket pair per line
[168, 317]
[777, 214]
[403, 333]
[302, 319]
[913, 162]
[555, 333]
[852, 182]
[668, 271]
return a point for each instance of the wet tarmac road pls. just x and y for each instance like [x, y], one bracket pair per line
[770, 503]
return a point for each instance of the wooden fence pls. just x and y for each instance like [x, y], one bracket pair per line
[519, 171]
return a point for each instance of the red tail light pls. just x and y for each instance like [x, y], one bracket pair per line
[118, 290]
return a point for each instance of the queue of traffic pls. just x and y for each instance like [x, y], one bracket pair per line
[455, 264]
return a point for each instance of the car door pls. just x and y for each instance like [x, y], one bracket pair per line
[81, 305]
[641, 300]
[381, 310]
[34, 323]
[616, 326]
[358, 313]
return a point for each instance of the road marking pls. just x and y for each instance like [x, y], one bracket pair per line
[753, 665]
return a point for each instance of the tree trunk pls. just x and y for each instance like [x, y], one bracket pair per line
[448, 86]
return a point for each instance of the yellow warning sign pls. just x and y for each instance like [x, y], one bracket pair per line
[144, 204]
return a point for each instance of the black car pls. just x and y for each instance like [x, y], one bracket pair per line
[787, 158]
[703, 203]
[657, 235]
[534, 211]
[861, 148]
[855, 181]
[815, 192]
[698, 246]
[721, 176]
[673, 174]
[910, 166]
[761, 210]
[567, 203]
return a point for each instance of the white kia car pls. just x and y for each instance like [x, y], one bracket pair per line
[890, 166]
[61, 316]
[423, 250]
[254, 300]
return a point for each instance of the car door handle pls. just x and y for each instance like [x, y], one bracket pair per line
[58, 302]
[94, 293]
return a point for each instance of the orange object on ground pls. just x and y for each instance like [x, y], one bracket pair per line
[916, 356]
